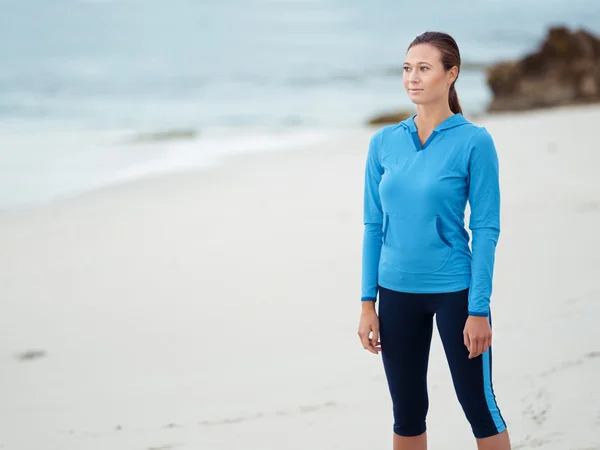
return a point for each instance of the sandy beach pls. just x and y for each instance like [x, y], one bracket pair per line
[217, 309]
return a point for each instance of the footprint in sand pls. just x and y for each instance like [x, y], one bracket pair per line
[30, 355]
[279, 413]
[573, 363]
[538, 407]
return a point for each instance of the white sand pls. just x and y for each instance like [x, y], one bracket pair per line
[218, 309]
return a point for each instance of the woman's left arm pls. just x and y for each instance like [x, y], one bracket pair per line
[484, 223]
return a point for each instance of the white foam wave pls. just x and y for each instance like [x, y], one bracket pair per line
[41, 167]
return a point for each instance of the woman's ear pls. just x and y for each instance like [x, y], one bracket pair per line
[453, 75]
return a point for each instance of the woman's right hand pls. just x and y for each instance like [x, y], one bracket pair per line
[368, 328]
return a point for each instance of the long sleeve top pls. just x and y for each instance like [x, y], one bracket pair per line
[415, 199]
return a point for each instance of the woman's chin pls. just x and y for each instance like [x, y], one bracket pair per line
[419, 99]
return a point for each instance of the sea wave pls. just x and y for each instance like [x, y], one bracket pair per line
[43, 165]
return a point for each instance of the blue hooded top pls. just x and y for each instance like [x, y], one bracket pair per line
[415, 199]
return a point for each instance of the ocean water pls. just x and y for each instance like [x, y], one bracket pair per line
[99, 91]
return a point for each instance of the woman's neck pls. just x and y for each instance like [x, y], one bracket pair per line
[429, 117]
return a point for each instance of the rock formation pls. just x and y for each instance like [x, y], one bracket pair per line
[565, 70]
[390, 118]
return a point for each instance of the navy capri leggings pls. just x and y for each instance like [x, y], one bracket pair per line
[405, 327]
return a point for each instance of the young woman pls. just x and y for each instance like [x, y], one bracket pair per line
[419, 176]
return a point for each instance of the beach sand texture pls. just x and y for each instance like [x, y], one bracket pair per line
[218, 309]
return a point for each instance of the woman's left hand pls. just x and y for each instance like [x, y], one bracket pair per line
[477, 335]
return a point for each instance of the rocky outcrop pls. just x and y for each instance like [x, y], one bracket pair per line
[166, 135]
[565, 70]
[390, 118]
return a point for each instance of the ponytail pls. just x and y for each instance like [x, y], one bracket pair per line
[453, 100]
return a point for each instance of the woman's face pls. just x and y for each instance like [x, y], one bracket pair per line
[425, 79]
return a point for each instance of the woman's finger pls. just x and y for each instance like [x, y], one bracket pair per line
[482, 344]
[472, 346]
[375, 338]
[473, 351]
[367, 343]
[475, 347]
[364, 338]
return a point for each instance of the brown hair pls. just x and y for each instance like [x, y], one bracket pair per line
[450, 58]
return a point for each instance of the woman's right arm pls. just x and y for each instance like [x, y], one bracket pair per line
[368, 328]
[373, 220]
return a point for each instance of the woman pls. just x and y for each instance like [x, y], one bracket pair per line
[420, 174]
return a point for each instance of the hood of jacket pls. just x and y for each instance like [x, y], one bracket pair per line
[456, 120]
